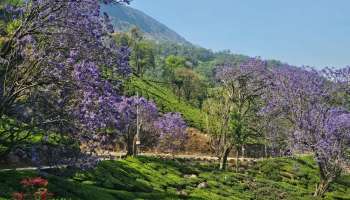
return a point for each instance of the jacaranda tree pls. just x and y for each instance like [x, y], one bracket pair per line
[172, 132]
[242, 89]
[56, 51]
[136, 113]
[304, 97]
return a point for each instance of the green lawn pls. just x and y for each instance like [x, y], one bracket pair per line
[152, 178]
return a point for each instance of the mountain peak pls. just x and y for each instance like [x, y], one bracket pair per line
[125, 17]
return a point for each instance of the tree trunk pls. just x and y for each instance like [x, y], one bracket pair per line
[130, 145]
[129, 149]
[134, 146]
[321, 188]
[223, 160]
[237, 159]
[243, 151]
[323, 185]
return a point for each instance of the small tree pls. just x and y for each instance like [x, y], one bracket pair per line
[128, 110]
[217, 124]
[191, 82]
[172, 132]
[172, 63]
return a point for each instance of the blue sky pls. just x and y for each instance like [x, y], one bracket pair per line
[300, 32]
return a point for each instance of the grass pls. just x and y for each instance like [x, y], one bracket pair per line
[167, 101]
[153, 178]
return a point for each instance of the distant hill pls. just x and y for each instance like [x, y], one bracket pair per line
[124, 18]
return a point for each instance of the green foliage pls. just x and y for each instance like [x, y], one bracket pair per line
[190, 86]
[14, 133]
[11, 2]
[6, 22]
[214, 108]
[144, 53]
[2, 24]
[142, 56]
[173, 62]
[191, 52]
[153, 178]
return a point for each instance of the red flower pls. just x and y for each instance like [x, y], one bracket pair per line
[18, 196]
[38, 181]
[42, 194]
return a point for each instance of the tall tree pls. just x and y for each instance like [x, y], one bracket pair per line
[243, 86]
[54, 49]
[143, 56]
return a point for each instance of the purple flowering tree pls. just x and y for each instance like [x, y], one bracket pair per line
[137, 115]
[172, 132]
[341, 77]
[55, 58]
[242, 87]
[304, 97]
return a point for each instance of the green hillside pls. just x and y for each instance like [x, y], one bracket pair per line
[166, 100]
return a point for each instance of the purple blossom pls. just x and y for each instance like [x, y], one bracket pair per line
[172, 132]
[98, 98]
[148, 112]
